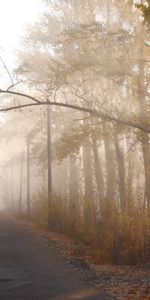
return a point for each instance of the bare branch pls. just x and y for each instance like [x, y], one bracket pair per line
[5, 67]
[75, 107]
[13, 85]
[20, 94]
[84, 99]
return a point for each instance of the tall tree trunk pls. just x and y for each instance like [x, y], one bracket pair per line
[130, 178]
[87, 163]
[88, 182]
[28, 176]
[98, 174]
[110, 168]
[49, 162]
[21, 179]
[145, 140]
[144, 136]
[74, 193]
[63, 178]
[6, 189]
[12, 184]
[121, 172]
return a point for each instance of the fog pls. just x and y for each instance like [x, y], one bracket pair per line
[74, 129]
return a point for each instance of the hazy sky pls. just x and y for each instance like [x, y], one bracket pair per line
[14, 15]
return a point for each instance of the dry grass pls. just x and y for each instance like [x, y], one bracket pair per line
[116, 237]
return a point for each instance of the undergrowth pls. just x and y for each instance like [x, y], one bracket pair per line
[113, 237]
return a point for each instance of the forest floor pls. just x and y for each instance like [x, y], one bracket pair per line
[119, 282]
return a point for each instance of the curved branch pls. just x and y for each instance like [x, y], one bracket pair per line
[20, 94]
[93, 112]
[13, 85]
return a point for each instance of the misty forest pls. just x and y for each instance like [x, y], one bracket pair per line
[75, 128]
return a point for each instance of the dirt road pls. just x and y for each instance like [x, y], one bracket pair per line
[30, 271]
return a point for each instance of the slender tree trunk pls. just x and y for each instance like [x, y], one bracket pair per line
[44, 181]
[145, 140]
[21, 179]
[121, 172]
[6, 189]
[98, 174]
[74, 193]
[87, 162]
[12, 185]
[130, 178]
[28, 176]
[110, 168]
[88, 182]
[49, 162]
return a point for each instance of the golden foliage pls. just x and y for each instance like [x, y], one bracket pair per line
[114, 237]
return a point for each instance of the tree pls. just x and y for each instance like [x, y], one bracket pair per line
[90, 61]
